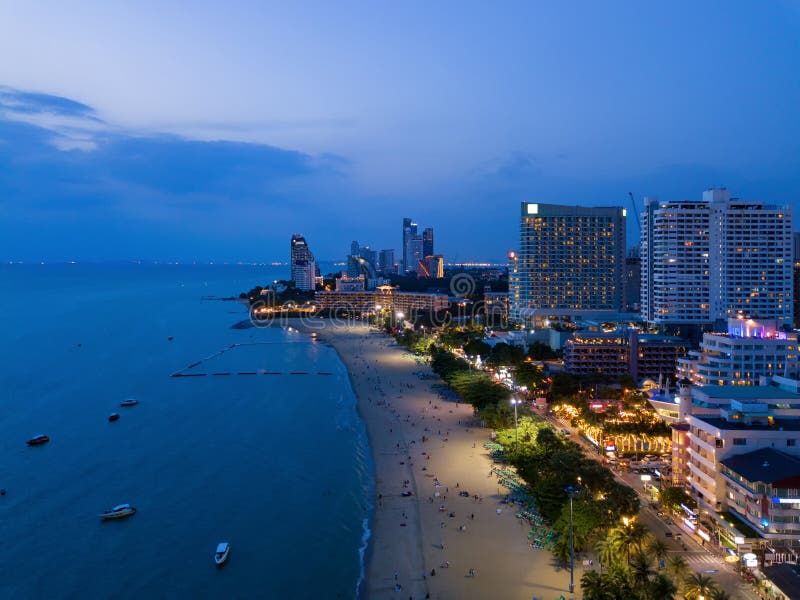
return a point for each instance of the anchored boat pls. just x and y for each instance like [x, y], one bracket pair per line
[118, 512]
[221, 555]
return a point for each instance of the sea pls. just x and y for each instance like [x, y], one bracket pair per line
[278, 465]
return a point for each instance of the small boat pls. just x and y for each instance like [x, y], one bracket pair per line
[129, 402]
[113, 417]
[38, 439]
[118, 512]
[221, 555]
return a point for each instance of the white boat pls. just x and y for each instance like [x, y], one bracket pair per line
[129, 402]
[221, 555]
[118, 512]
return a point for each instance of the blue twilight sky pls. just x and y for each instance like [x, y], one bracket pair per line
[213, 131]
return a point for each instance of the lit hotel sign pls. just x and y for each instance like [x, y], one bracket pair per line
[785, 500]
[533, 209]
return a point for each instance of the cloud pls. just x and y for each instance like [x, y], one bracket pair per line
[75, 126]
[103, 188]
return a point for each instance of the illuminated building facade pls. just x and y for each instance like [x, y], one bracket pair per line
[702, 261]
[751, 348]
[303, 266]
[570, 257]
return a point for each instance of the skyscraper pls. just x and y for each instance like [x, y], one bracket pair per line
[705, 261]
[427, 242]
[386, 260]
[303, 266]
[570, 257]
[409, 236]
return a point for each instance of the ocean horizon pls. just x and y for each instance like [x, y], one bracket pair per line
[277, 465]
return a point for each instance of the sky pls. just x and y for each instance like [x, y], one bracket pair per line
[213, 131]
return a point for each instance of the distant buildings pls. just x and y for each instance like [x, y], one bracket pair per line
[749, 350]
[350, 284]
[427, 242]
[412, 246]
[431, 267]
[706, 260]
[303, 266]
[416, 247]
[569, 257]
[386, 261]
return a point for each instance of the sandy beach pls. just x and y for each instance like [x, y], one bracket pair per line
[427, 543]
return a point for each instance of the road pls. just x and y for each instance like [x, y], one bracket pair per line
[698, 557]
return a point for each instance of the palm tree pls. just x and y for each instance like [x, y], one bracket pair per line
[678, 567]
[630, 538]
[593, 586]
[641, 566]
[606, 552]
[658, 548]
[698, 585]
[661, 588]
[719, 594]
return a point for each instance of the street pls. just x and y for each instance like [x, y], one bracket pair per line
[698, 557]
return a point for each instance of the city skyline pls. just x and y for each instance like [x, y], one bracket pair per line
[360, 130]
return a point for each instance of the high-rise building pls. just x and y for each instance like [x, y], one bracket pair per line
[303, 266]
[796, 279]
[369, 255]
[706, 261]
[427, 242]
[431, 267]
[409, 235]
[633, 280]
[570, 257]
[354, 248]
[386, 261]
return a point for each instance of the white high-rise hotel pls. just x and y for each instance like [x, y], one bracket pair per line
[714, 259]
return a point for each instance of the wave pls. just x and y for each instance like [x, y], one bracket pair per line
[362, 553]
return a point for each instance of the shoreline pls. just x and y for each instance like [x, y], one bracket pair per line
[412, 538]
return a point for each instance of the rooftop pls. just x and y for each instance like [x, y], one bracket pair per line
[725, 425]
[747, 392]
[765, 465]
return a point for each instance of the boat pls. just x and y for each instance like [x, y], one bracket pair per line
[113, 417]
[38, 439]
[221, 555]
[118, 512]
[129, 402]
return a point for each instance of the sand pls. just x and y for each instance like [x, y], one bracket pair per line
[411, 535]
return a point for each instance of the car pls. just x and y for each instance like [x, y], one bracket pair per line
[660, 513]
[566, 431]
[668, 534]
[678, 536]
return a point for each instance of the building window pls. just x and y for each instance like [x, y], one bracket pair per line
[739, 441]
[791, 442]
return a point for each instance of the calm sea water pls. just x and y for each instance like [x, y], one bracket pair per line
[279, 466]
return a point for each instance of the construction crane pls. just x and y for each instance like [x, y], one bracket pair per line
[635, 213]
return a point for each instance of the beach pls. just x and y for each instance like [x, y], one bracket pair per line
[443, 546]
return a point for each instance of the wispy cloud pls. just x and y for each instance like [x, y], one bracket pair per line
[74, 126]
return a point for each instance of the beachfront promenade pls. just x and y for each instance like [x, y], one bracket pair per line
[425, 543]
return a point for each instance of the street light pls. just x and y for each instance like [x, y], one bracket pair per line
[571, 491]
[514, 402]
